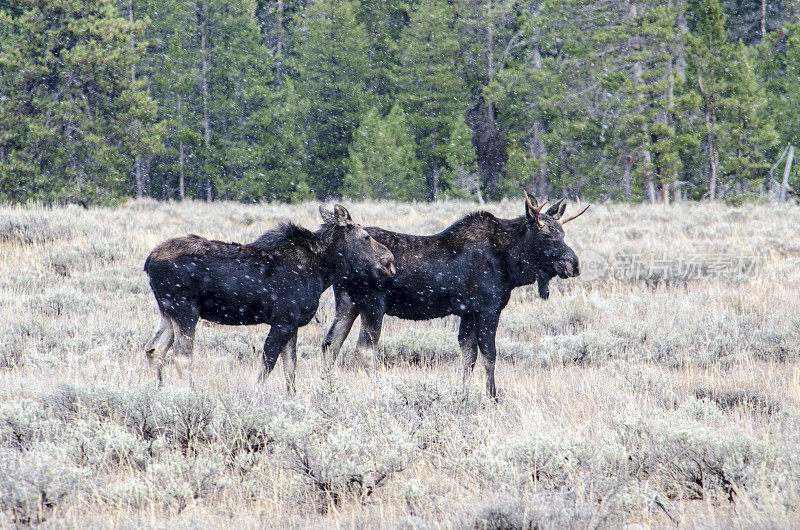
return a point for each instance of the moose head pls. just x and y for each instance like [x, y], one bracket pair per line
[353, 252]
[544, 252]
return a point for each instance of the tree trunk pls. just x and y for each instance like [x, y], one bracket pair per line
[137, 164]
[147, 163]
[670, 117]
[489, 57]
[650, 190]
[710, 120]
[490, 149]
[763, 20]
[489, 43]
[538, 149]
[279, 28]
[786, 172]
[181, 155]
[137, 161]
[679, 65]
[181, 179]
[649, 187]
[713, 156]
[279, 38]
[201, 23]
[627, 179]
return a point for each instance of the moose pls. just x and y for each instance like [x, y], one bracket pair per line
[469, 270]
[277, 280]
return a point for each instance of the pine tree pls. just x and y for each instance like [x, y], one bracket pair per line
[256, 140]
[430, 89]
[747, 136]
[171, 70]
[331, 62]
[559, 109]
[737, 139]
[710, 52]
[383, 21]
[272, 154]
[68, 102]
[462, 163]
[779, 71]
[234, 128]
[649, 84]
[382, 162]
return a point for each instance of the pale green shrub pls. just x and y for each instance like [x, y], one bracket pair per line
[33, 483]
[683, 455]
[25, 423]
[18, 226]
[588, 347]
[344, 445]
[419, 347]
[545, 511]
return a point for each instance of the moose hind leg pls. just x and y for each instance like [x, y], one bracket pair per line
[468, 342]
[487, 329]
[184, 347]
[289, 357]
[346, 314]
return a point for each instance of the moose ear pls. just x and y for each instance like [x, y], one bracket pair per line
[342, 215]
[327, 215]
[557, 210]
[531, 207]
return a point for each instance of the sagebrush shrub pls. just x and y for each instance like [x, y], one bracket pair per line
[33, 483]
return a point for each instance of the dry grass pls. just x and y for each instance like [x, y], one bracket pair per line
[642, 397]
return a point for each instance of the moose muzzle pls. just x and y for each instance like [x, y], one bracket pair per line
[568, 268]
[389, 267]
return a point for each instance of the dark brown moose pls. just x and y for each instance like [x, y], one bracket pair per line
[469, 270]
[276, 280]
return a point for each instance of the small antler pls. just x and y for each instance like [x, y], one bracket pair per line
[533, 207]
[528, 199]
[577, 214]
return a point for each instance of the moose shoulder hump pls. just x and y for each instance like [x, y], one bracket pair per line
[482, 228]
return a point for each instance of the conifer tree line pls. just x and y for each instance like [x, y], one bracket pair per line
[289, 100]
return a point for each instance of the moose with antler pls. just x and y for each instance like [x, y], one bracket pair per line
[469, 270]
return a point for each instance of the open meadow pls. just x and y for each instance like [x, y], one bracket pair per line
[660, 388]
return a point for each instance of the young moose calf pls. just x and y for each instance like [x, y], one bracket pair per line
[275, 280]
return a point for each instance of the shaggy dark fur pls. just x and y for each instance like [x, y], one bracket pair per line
[276, 280]
[468, 269]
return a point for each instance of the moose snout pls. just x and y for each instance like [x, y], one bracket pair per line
[389, 267]
[568, 268]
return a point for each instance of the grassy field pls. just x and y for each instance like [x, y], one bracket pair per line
[661, 388]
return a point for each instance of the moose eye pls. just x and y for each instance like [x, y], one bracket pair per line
[366, 237]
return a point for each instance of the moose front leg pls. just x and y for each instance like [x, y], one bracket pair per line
[467, 340]
[289, 357]
[368, 339]
[346, 314]
[487, 329]
[279, 336]
[157, 347]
